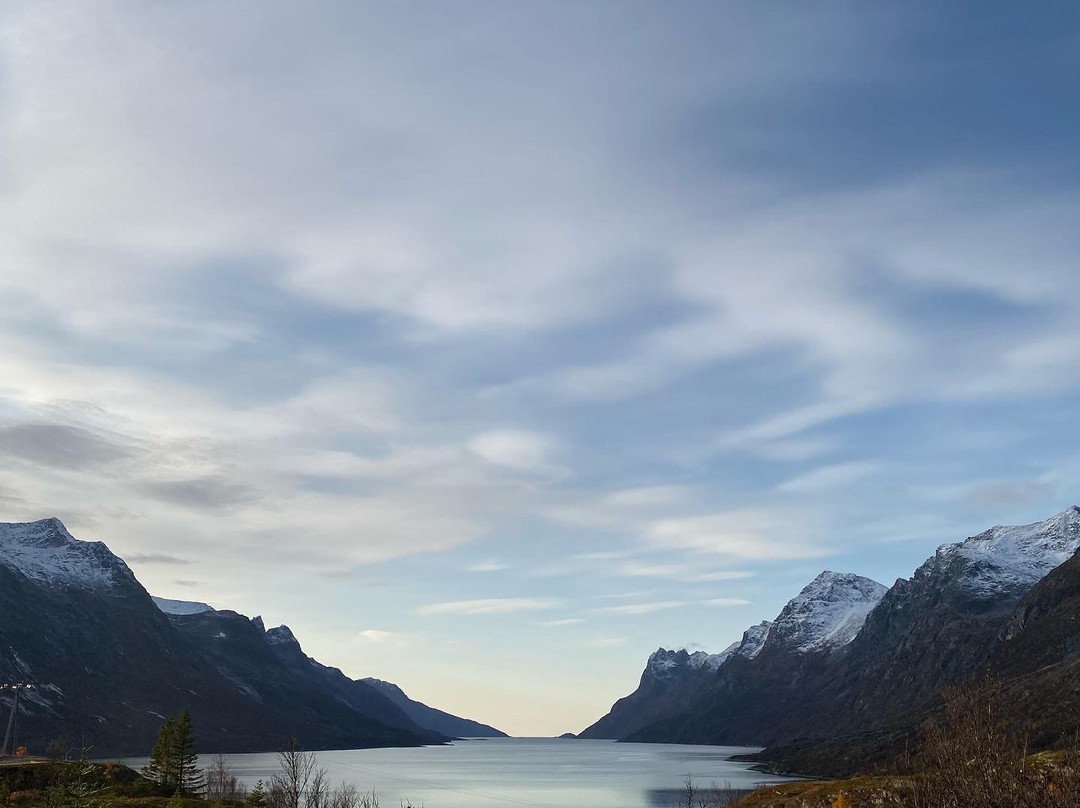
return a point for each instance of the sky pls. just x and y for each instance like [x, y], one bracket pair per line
[491, 346]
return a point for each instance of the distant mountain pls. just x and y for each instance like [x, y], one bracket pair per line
[108, 663]
[357, 694]
[824, 617]
[670, 684]
[847, 656]
[432, 719]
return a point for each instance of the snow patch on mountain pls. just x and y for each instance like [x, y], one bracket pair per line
[1007, 559]
[827, 613]
[170, 606]
[44, 551]
[753, 639]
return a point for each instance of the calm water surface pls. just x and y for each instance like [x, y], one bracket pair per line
[537, 772]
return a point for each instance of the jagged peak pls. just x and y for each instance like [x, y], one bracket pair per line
[281, 635]
[827, 613]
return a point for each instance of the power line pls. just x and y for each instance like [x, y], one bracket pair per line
[16, 688]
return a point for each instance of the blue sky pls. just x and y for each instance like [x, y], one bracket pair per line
[492, 346]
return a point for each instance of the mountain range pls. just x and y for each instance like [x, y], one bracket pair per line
[849, 664]
[108, 662]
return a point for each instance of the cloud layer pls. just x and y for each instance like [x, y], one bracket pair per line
[682, 297]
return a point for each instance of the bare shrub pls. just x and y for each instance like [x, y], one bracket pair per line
[971, 760]
[289, 787]
[222, 785]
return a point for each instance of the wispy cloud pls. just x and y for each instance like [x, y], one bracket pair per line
[489, 606]
[515, 449]
[567, 621]
[726, 602]
[824, 478]
[491, 565]
[380, 637]
[156, 558]
[687, 572]
[366, 357]
[643, 608]
[751, 535]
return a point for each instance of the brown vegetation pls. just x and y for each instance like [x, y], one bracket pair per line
[970, 757]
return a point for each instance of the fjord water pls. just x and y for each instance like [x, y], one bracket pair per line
[537, 772]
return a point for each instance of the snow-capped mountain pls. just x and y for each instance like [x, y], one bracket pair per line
[75, 621]
[45, 552]
[1004, 560]
[827, 613]
[170, 606]
[846, 655]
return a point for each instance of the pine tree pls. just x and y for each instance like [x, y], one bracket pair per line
[186, 774]
[160, 767]
[257, 797]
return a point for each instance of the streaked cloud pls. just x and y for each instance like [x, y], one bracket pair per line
[642, 608]
[491, 565]
[516, 449]
[381, 637]
[824, 478]
[751, 535]
[489, 606]
[328, 373]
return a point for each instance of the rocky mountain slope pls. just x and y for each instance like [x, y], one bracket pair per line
[1035, 657]
[823, 617]
[108, 663]
[845, 656]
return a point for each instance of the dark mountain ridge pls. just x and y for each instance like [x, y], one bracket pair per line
[108, 664]
[1004, 600]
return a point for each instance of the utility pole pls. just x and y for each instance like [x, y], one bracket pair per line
[15, 688]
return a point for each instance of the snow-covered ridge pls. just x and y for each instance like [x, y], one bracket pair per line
[170, 606]
[1009, 558]
[663, 663]
[753, 639]
[827, 613]
[44, 551]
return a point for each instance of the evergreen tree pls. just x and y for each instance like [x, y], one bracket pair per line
[185, 761]
[257, 797]
[160, 767]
